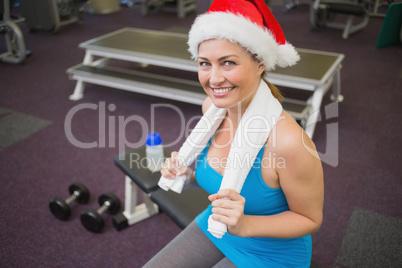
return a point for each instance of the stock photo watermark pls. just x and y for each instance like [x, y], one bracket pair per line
[117, 125]
[245, 161]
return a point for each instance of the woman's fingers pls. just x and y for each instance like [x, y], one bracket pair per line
[213, 197]
[229, 194]
[175, 160]
[228, 207]
[168, 168]
[176, 165]
[227, 198]
[167, 174]
[181, 171]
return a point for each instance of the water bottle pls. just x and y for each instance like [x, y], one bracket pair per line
[154, 151]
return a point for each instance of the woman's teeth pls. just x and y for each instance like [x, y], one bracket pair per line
[222, 90]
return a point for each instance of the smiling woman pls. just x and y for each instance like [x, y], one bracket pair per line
[228, 73]
[270, 218]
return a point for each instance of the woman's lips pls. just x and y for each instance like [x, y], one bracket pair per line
[221, 91]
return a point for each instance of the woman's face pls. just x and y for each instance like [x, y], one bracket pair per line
[228, 73]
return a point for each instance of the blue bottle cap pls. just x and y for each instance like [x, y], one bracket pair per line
[153, 139]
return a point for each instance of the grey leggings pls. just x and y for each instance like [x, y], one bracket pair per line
[191, 248]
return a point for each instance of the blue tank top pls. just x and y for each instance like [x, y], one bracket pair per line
[260, 200]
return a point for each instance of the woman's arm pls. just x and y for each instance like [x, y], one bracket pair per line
[168, 168]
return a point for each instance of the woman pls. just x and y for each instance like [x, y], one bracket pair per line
[270, 221]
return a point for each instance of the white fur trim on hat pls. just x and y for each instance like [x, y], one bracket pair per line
[236, 28]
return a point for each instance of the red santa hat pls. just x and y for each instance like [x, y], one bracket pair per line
[248, 23]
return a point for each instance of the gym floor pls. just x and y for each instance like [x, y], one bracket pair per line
[362, 215]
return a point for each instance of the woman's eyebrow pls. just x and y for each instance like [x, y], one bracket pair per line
[226, 57]
[220, 59]
[203, 58]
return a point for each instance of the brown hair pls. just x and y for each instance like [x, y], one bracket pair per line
[274, 90]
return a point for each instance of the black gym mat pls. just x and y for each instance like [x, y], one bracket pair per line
[371, 240]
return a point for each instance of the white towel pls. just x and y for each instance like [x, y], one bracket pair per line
[251, 135]
[194, 144]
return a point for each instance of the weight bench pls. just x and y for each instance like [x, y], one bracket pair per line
[181, 208]
[322, 13]
[183, 7]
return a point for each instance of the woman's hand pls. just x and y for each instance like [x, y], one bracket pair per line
[170, 168]
[228, 208]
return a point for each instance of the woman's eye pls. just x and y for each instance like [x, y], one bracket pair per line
[203, 63]
[229, 63]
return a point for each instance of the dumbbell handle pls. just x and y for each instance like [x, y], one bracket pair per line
[72, 197]
[104, 207]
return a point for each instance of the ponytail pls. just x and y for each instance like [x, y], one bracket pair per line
[274, 90]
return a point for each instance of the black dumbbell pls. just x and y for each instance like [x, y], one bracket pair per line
[60, 208]
[92, 220]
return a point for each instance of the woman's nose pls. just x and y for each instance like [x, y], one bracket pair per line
[216, 76]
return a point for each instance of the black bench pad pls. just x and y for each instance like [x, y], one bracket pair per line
[346, 8]
[181, 208]
[134, 166]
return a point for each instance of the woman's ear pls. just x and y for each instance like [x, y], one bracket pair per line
[260, 69]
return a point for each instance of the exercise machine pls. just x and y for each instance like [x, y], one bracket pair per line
[323, 14]
[377, 4]
[183, 7]
[290, 4]
[130, 3]
[15, 43]
[104, 6]
[51, 15]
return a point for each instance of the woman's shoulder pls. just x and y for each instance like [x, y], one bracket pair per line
[287, 138]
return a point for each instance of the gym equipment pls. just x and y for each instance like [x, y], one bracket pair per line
[130, 3]
[60, 208]
[50, 15]
[323, 13]
[92, 219]
[183, 7]
[104, 6]
[16, 51]
[181, 208]
[314, 74]
[377, 4]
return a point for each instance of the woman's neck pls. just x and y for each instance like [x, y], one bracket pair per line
[236, 112]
